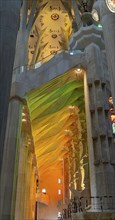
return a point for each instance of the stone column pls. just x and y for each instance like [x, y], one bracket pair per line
[8, 181]
[70, 177]
[99, 129]
[102, 151]
[26, 146]
[27, 188]
[29, 197]
[66, 180]
[21, 184]
[32, 189]
[9, 23]
[107, 19]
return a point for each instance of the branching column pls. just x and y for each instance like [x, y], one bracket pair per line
[26, 22]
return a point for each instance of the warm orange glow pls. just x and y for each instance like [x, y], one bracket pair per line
[49, 181]
[111, 99]
[56, 131]
[113, 118]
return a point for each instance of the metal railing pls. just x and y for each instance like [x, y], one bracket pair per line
[36, 65]
[21, 69]
[84, 204]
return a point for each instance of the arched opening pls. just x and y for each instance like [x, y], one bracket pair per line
[58, 124]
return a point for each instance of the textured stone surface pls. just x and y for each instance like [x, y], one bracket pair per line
[101, 169]
[8, 183]
[107, 19]
[94, 216]
[9, 21]
[31, 79]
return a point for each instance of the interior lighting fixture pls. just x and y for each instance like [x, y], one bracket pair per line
[24, 120]
[113, 118]
[59, 191]
[99, 26]
[95, 15]
[23, 114]
[111, 5]
[71, 107]
[78, 70]
[59, 214]
[71, 53]
[111, 99]
[44, 191]
[37, 65]
[59, 180]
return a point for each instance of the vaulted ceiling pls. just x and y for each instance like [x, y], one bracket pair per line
[53, 27]
[56, 108]
[57, 115]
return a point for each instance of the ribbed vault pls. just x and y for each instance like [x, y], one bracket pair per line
[56, 110]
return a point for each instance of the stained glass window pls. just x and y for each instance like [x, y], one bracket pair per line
[112, 114]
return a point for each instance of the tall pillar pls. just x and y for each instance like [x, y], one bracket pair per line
[28, 190]
[103, 151]
[9, 172]
[26, 146]
[107, 19]
[9, 23]
[21, 184]
[99, 129]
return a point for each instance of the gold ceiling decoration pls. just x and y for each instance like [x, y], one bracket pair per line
[51, 30]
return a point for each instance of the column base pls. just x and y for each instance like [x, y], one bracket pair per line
[94, 216]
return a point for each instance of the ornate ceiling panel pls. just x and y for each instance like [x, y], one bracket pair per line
[52, 29]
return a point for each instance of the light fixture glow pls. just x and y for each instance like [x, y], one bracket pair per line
[37, 65]
[99, 26]
[71, 107]
[23, 114]
[71, 53]
[95, 15]
[78, 70]
[59, 214]
[111, 5]
[111, 99]
[59, 180]
[59, 191]
[24, 120]
[44, 191]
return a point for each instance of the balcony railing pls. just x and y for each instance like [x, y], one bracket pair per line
[93, 204]
[21, 69]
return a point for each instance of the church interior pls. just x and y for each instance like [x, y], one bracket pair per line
[58, 130]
